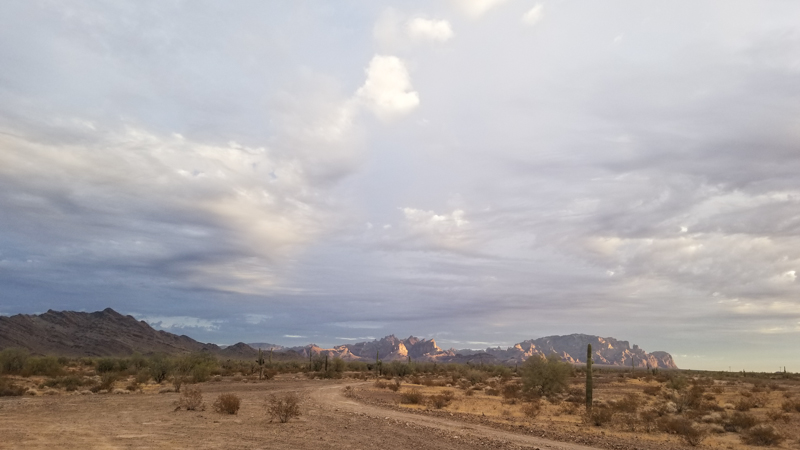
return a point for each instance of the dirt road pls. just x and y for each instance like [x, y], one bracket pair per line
[149, 421]
[332, 397]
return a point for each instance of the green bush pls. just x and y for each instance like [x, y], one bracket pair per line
[44, 365]
[546, 376]
[12, 361]
[106, 365]
[159, 367]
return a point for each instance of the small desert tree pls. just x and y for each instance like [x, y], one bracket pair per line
[545, 376]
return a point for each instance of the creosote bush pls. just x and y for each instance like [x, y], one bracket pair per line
[191, 399]
[532, 409]
[227, 404]
[762, 435]
[283, 407]
[442, 400]
[545, 376]
[412, 397]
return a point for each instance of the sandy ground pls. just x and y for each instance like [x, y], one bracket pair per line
[329, 421]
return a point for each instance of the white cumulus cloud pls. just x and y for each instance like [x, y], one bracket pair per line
[533, 15]
[387, 90]
[476, 8]
[428, 29]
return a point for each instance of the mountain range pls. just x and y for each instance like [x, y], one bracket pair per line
[109, 333]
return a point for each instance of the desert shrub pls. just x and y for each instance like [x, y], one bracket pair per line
[740, 421]
[759, 400]
[684, 428]
[380, 384]
[743, 404]
[693, 435]
[178, 381]
[546, 376]
[106, 365]
[284, 407]
[762, 435]
[227, 404]
[439, 401]
[717, 390]
[648, 418]
[394, 387]
[532, 409]
[469, 392]
[107, 381]
[492, 391]
[191, 399]
[159, 367]
[576, 395]
[569, 408]
[9, 389]
[476, 376]
[12, 361]
[44, 365]
[511, 392]
[600, 415]
[629, 403]
[652, 390]
[412, 397]
[677, 382]
[349, 392]
[778, 415]
[72, 382]
[791, 405]
[142, 376]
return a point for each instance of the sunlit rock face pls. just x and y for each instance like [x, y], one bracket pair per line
[572, 348]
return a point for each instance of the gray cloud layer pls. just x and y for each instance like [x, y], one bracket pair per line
[474, 171]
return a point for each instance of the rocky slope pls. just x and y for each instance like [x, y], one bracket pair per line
[101, 333]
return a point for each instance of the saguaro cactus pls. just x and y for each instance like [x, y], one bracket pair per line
[260, 361]
[589, 379]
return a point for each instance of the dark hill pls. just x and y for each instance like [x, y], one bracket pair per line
[101, 333]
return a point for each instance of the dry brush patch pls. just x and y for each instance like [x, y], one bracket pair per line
[227, 404]
[283, 407]
[191, 399]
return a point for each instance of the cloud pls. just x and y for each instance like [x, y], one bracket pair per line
[477, 8]
[387, 90]
[445, 230]
[180, 322]
[533, 15]
[427, 29]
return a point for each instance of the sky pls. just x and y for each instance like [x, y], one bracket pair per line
[480, 172]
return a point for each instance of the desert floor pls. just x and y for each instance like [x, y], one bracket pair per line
[329, 420]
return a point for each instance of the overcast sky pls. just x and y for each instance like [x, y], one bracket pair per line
[476, 171]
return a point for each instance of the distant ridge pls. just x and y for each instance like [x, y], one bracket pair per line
[571, 348]
[101, 333]
[109, 333]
